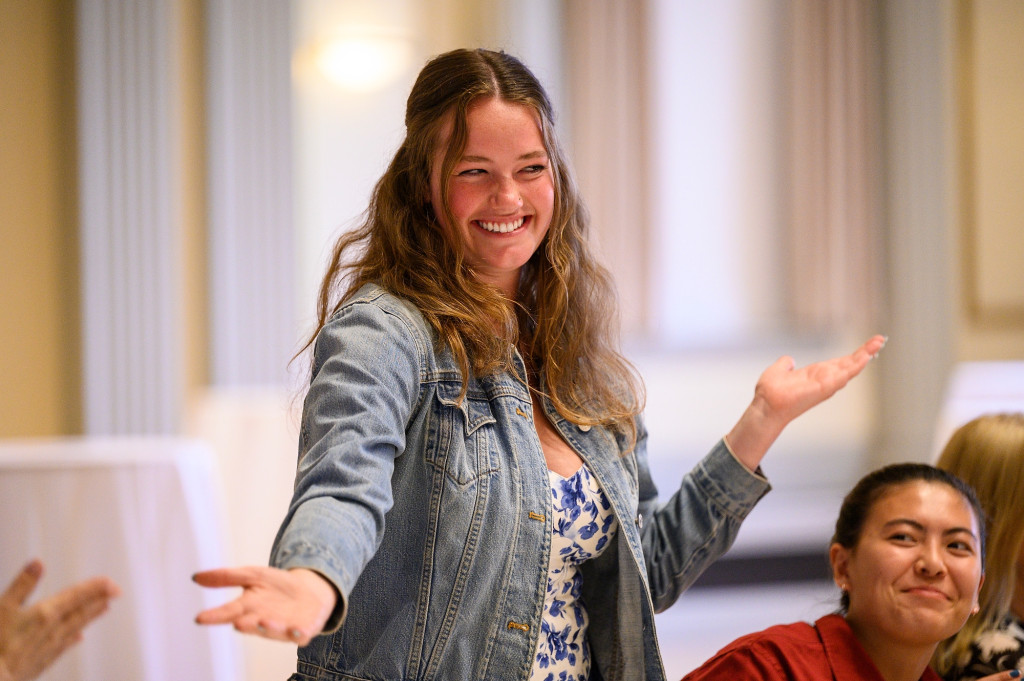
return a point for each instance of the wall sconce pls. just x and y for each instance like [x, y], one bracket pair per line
[359, 58]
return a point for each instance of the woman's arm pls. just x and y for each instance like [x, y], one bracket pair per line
[700, 521]
[365, 385]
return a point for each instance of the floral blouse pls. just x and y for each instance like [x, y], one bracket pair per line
[582, 525]
[994, 650]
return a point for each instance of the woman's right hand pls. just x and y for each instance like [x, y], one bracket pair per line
[286, 605]
[1009, 675]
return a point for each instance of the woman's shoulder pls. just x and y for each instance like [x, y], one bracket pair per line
[781, 635]
[374, 308]
[778, 652]
[377, 296]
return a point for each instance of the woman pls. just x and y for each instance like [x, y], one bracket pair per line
[472, 497]
[988, 453]
[908, 555]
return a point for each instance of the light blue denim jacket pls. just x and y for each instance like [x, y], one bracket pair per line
[432, 517]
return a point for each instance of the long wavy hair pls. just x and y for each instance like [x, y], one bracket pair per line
[564, 318]
[988, 453]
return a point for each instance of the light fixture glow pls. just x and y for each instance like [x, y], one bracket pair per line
[363, 59]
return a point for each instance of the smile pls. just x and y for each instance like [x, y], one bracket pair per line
[927, 592]
[501, 227]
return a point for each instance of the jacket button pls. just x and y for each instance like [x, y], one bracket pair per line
[639, 521]
[584, 428]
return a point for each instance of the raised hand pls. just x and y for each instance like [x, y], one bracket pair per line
[783, 392]
[33, 637]
[286, 605]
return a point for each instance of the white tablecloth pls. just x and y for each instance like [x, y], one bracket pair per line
[145, 512]
[977, 388]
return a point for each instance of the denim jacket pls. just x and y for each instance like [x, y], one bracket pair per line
[431, 515]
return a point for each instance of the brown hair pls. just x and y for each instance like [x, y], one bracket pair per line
[564, 319]
[988, 452]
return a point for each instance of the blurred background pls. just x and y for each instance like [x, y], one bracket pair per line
[765, 177]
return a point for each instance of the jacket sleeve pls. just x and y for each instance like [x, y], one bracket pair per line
[364, 386]
[699, 522]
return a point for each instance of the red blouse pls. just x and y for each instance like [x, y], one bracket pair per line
[826, 651]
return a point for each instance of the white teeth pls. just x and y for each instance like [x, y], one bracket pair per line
[501, 227]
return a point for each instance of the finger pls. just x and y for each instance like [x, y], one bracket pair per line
[850, 365]
[222, 577]
[55, 647]
[222, 614]
[250, 624]
[1002, 676]
[23, 584]
[85, 613]
[280, 632]
[85, 596]
[873, 346]
[782, 365]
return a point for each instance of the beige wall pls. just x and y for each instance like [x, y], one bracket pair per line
[39, 337]
[990, 36]
[39, 292]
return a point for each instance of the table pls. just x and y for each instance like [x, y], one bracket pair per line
[146, 512]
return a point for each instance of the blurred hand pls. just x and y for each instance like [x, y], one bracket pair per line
[286, 605]
[784, 392]
[33, 637]
[1003, 676]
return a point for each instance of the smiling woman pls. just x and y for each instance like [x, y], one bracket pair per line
[907, 555]
[472, 498]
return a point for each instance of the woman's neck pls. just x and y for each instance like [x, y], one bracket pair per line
[894, 662]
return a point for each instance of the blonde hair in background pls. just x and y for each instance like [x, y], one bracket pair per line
[988, 453]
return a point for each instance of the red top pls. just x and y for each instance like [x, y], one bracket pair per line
[826, 651]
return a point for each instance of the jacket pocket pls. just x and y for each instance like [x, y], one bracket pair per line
[462, 440]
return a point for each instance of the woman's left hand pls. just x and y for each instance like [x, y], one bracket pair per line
[783, 392]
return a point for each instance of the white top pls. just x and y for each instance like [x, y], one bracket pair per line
[582, 526]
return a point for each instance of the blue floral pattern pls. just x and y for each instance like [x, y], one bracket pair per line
[582, 526]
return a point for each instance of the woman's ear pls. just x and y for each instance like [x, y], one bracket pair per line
[839, 557]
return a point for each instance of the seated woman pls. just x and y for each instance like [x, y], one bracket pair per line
[988, 454]
[908, 556]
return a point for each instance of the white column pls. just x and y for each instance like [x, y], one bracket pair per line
[920, 211]
[253, 332]
[131, 251]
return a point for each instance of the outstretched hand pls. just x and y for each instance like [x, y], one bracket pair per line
[33, 637]
[286, 605]
[784, 392]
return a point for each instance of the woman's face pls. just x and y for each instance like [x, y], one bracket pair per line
[501, 190]
[914, 575]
